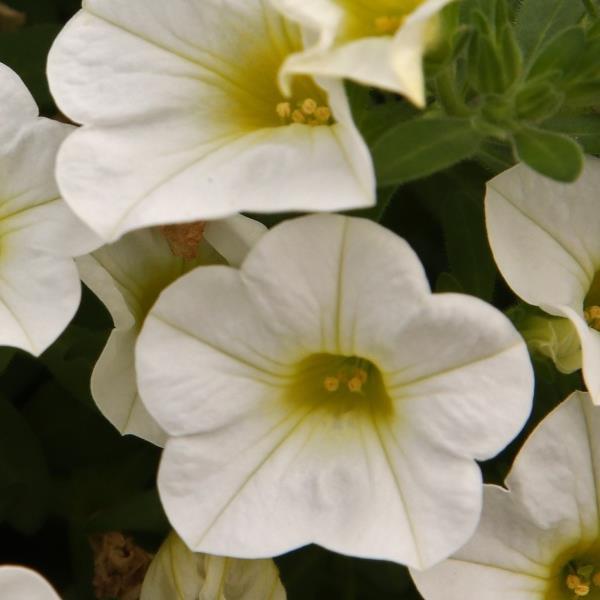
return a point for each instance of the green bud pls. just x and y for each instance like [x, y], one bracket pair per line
[553, 337]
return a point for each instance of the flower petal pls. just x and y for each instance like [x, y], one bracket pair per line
[18, 583]
[17, 105]
[341, 276]
[551, 507]
[544, 234]
[164, 121]
[466, 369]
[176, 573]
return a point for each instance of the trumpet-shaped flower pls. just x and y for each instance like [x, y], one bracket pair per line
[540, 538]
[39, 285]
[322, 394]
[182, 115]
[177, 573]
[545, 237]
[379, 43]
[128, 276]
[20, 583]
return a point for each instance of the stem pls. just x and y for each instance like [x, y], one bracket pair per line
[591, 8]
[453, 104]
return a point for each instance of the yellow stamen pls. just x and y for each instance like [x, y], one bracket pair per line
[386, 25]
[309, 106]
[355, 384]
[596, 579]
[583, 589]
[298, 117]
[284, 110]
[573, 581]
[323, 114]
[331, 384]
[592, 316]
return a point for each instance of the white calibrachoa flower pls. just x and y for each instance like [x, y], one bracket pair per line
[177, 573]
[39, 285]
[379, 42]
[128, 276]
[20, 583]
[323, 394]
[183, 116]
[545, 237]
[540, 539]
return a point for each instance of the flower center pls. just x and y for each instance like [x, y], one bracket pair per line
[340, 385]
[582, 579]
[591, 304]
[306, 112]
[374, 18]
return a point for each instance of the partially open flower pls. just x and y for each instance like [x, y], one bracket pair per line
[183, 118]
[322, 394]
[128, 277]
[379, 42]
[39, 235]
[540, 538]
[20, 583]
[177, 573]
[545, 237]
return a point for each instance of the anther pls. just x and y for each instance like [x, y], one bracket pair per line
[322, 114]
[573, 581]
[592, 316]
[309, 106]
[298, 117]
[387, 24]
[284, 110]
[355, 384]
[583, 589]
[331, 384]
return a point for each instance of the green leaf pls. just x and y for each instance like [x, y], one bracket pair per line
[538, 21]
[552, 154]
[560, 53]
[24, 477]
[417, 148]
[583, 128]
[461, 194]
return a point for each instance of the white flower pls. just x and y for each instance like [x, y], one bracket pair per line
[176, 573]
[39, 285]
[128, 276]
[545, 237]
[538, 540]
[20, 583]
[183, 118]
[323, 394]
[379, 43]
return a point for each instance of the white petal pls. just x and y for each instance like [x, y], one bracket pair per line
[159, 125]
[232, 238]
[341, 277]
[465, 369]
[551, 507]
[20, 583]
[545, 234]
[243, 363]
[39, 295]
[17, 105]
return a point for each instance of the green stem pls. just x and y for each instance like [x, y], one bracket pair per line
[453, 104]
[591, 8]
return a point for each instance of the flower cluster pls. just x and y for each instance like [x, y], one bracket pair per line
[304, 377]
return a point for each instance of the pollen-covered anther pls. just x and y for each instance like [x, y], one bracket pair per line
[184, 238]
[284, 110]
[573, 581]
[596, 579]
[307, 112]
[387, 24]
[592, 316]
[331, 384]
[583, 589]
